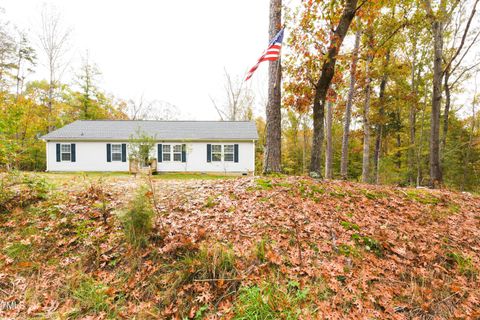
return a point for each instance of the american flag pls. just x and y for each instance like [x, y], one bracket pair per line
[272, 53]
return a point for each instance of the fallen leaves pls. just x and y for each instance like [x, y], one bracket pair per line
[274, 258]
[329, 231]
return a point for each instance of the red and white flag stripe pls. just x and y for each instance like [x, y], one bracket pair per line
[272, 53]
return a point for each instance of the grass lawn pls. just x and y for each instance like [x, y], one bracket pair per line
[190, 176]
[65, 176]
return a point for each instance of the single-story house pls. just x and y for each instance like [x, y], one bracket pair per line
[179, 146]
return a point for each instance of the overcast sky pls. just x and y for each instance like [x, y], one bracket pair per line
[168, 50]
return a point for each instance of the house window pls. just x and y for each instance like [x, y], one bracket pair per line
[177, 152]
[116, 152]
[228, 152]
[172, 152]
[216, 152]
[66, 152]
[166, 152]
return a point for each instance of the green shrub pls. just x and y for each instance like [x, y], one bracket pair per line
[264, 184]
[209, 264]
[374, 195]
[17, 190]
[18, 251]
[368, 244]
[270, 301]
[283, 184]
[138, 219]
[349, 225]
[422, 197]
[210, 203]
[5, 196]
[83, 228]
[261, 250]
[338, 193]
[348, 250]
[37, 186]
[215, 262]
[464, 264]
[91, 296]
[324, 292]
[200, 312]
[310, 190]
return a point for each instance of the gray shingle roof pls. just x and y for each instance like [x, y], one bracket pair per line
[161, 130]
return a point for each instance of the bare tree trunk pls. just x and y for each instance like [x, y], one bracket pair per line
[51, 88]
[376, 154]
[273, 148]
[237, 101]
[470, 140]
[318, 132]
[437, 30]
[412, 121]
[86, 77]
[420, 143]
[323, 84]
[366, 125]
[304, 150]
[447, 109]
[398, 154]
[54, 40]
[435, 169]
[18, 82]
[329, 152]
[379, 129]
[348, 107]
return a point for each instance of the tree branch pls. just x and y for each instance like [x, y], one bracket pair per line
[463, 72]
[466, 51]
[464, 36]
[216, 108]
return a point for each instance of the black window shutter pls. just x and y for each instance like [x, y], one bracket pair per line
[74, 153]
[124, 152]
[159, 152]
[209, 152]
[235, 152]
[58, 152]
[109, 152]
[184, 153]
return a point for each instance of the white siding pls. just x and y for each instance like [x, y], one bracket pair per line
[92, 156]
[197, 159]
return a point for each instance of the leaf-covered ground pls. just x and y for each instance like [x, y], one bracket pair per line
[246, 248]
